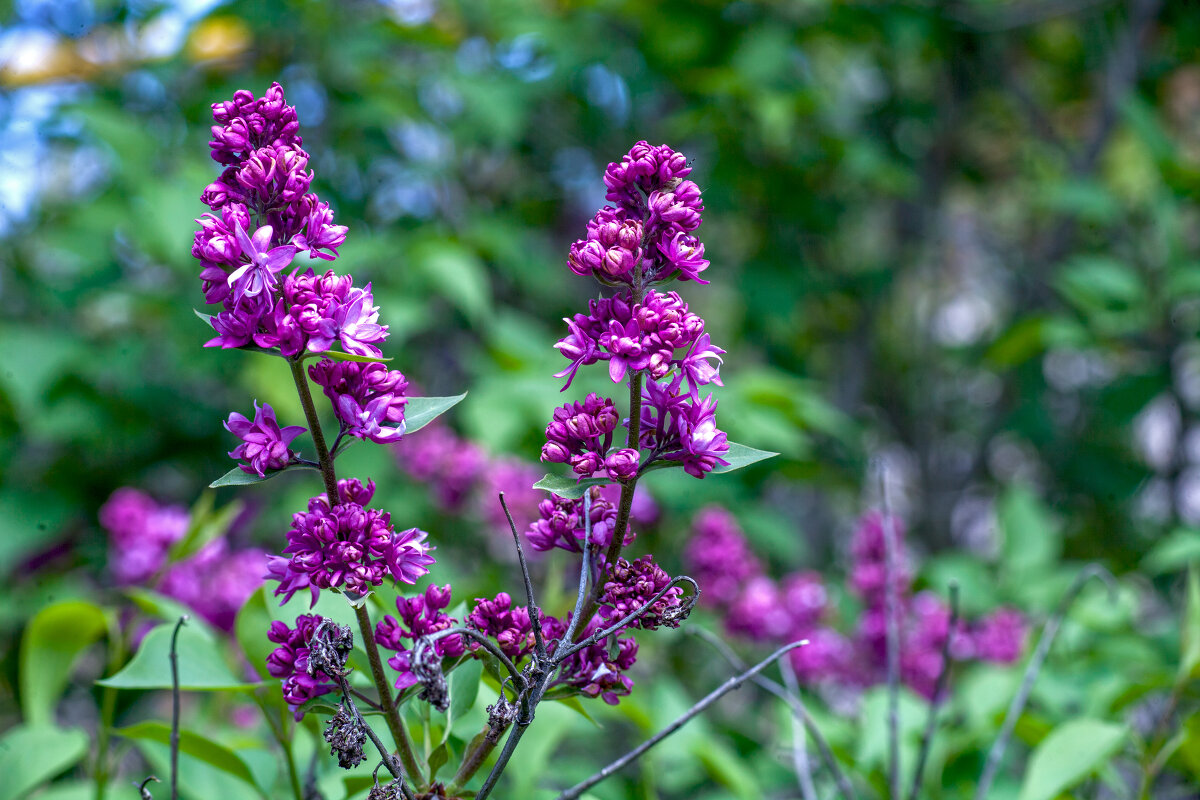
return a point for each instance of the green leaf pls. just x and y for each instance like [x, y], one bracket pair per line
[32, 755]
[739, 456]
[568, 487]
[205, 526]
[1173, 552]
[464, 689]
[438, 759]
[238, 477]
[197, 779]
[53, 642]
[340, 356]
[206, 750]
[1069, 754]
[1032, 538]
[420, 411]
[250, 628]
[205, 318]
[165, 608]
[1189, 644]
[727, 769]
[201, 667]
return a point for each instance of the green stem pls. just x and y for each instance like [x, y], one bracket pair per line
[277, 730]
[473, 760]
[365, 627]
[407, 757]
[108, 708]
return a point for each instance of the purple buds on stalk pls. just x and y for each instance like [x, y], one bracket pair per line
[264, 444]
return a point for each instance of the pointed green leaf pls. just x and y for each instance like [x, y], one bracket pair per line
[32, 755]
[201, 667]
[340, 356]
[238, 477]
[464, 688]
[206, 750]
[1069, 754]
[53, 642]
[205, 526]
[739, 456]
[568, 487]
[420, 411]
[438, 759]
[205, 318]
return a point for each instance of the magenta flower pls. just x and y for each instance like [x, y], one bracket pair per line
[265, 262]
[685, 254]
[422, 615]
[289, 662]
[264, 444]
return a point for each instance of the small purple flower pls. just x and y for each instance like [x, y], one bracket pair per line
[265, 262]
[643, 169]
[622, 465]
[631, 585]
[598, 670]
[264, 444]
[215, 582]
[422, 615]
[758, 612]
[560, 523]
[244, 124]
[368, 398]
[510, 626]
[684, 254]
[1000, 637]
[289, 662]
[140, 533]
[581, 433]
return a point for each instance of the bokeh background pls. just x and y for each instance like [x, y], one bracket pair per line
[953, 242]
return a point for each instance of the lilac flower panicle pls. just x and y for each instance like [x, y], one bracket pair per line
[289, 662]
[580, 434]
[264, 444]
[244, 124]
[631, 585]
[367, 398]
[265, 262]
[510, 626]
[422, 615]
[598, 670]
[350, 546]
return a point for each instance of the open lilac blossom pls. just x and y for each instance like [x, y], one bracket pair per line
[684, 254]
[264, 262]
[367, 398]
[140, 533]
[352, 547]
[289, 662]
[681, 427]
[422, 615]
[264, 444]
[630, 585]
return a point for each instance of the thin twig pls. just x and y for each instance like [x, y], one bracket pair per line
[935, 703]
[584, 571]
[392, 766]
[616, 627]
[892, 612]
[1031, 672]
[799, 745]
[845, 789]
[174, 656]
[425, 642]
[534, 612]
[728, 686]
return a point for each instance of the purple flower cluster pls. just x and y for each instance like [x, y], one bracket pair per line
[348, 546]
[367, 398]
[758, 608]
[644, 239]
[595, 671]
[560, 522]
[214, 582]
[511, 627]
[289, 661]
[262, 217]
[264, 444]
[422, 615]
[631, 585]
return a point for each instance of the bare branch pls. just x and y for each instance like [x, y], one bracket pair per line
[799, 746]
[892, 612]
[845, 790]
[733, 683]
[616, 627]
[174, 656]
